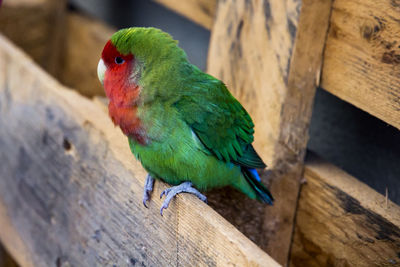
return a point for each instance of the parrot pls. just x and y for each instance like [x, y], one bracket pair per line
[182, 124]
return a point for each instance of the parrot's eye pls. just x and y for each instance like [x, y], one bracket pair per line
[119, 60]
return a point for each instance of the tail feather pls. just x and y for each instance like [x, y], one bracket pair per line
[254, 174]
[254, 180]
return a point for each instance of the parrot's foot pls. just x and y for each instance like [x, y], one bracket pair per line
[185, 187]
[148, 188]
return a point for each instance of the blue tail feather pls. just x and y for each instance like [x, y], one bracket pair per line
[254, 174]
[254, 180]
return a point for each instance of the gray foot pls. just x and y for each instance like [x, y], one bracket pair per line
[148, 188]
[185, 187]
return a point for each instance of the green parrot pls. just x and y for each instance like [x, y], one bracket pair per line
[182, 124]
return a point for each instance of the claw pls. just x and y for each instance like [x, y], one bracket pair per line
[164, 206]
[185, 187]
[165, 192]
[148, 188]
[145, 199]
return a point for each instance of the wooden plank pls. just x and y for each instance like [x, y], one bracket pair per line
[85, 41]
[362, 56]
[199, 11]
[270, 58]
[343, 222]
[35, 26]
[71, 191]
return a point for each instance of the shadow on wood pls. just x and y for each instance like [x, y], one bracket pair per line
[343, 222]
[5, 259]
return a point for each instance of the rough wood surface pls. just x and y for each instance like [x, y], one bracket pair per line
[270, 58]
[199, 11]
[362, 56]
[70, 189]
[85, 40]
[32, 25]
[343, 222]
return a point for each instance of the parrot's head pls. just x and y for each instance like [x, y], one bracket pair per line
[136, 57]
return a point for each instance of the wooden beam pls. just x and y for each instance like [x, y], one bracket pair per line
[37, 27]
[71, 191]
[362, 56]
[343, 222]
[270, 58]
[85, 40]
[199, 11]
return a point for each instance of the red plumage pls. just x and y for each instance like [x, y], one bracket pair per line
[122, 93]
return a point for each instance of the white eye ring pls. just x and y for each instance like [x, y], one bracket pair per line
[119, 60]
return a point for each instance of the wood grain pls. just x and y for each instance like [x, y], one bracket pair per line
[32, 25]
[70, 189]
[343, 222]
[362, 56]
[270, 58]
[85, 40]
[201, 12]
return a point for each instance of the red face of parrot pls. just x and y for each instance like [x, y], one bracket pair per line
[115, 73]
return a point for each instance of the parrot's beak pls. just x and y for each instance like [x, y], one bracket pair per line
[101, 70]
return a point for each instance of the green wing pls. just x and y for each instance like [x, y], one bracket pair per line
[220, 121]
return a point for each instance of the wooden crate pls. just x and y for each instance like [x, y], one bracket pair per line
[70, 190]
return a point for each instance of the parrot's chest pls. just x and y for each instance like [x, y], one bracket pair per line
[126, 118]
